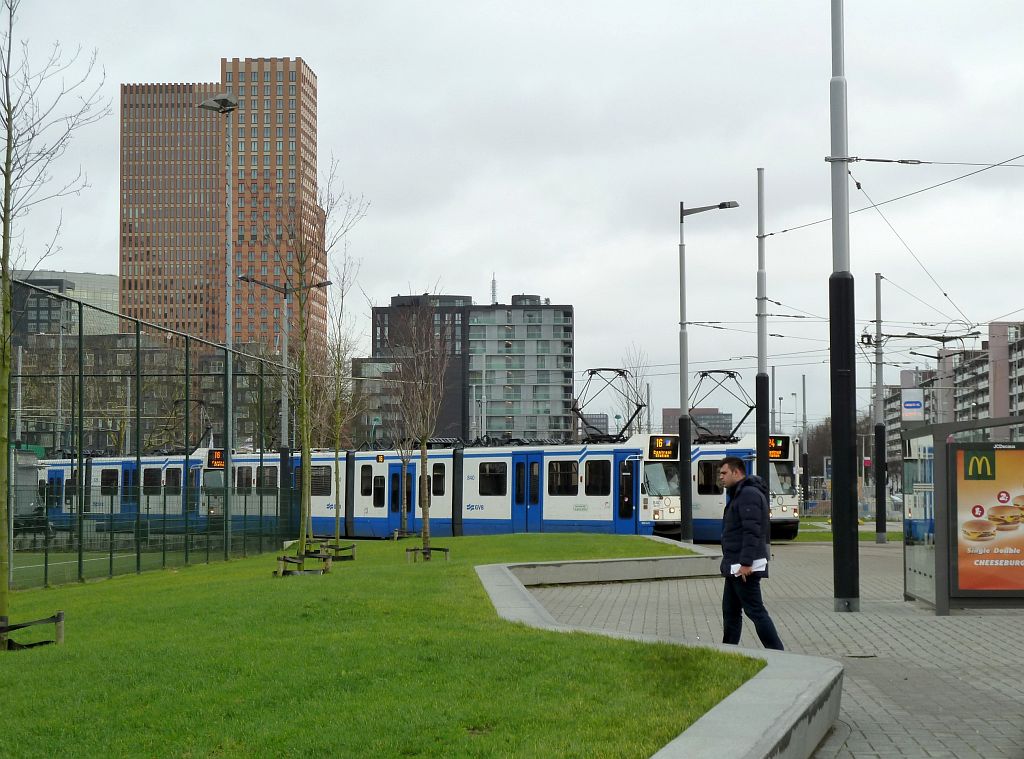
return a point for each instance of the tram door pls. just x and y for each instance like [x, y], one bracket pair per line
[129, 493]
[527, 507]
[394, 489]
[54, 491]
[627, 516]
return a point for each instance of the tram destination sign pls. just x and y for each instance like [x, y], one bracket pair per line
[778, 447]
[664, 448]
[215, 459]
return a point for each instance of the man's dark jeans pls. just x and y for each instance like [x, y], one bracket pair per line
[739, 596]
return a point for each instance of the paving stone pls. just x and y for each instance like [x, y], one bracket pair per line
[912, 685]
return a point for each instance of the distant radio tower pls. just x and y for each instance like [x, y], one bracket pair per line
[494, 289]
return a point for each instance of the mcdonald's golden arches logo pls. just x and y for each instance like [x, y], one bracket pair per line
[979, 465]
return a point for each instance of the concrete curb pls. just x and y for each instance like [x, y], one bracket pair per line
[787, 708]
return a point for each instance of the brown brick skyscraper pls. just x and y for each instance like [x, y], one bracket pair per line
[172, 221]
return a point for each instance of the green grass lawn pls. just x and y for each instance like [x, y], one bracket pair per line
[825, 536]
[379, 658]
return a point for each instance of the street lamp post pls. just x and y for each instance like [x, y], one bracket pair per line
[685, 436]
[226, 105]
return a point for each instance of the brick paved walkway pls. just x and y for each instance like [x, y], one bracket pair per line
[915, 685]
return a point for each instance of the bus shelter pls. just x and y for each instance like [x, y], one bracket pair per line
[963, 496]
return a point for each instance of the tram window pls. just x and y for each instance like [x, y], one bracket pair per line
[437, 480]
[173, 481]
[493, 478]
[707, 478]
[563, 478]
[108, 481]
[320, 480]
[151, 481]
[266, 477]
[378, 491]
[534, 478]
[366, 480]
[71, 488]
[599, 478]
[520, 475]
[396, 488]
[243, 479]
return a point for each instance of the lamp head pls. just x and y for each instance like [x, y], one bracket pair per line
[220, 103]
[729, 204]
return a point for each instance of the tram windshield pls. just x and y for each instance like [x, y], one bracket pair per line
[213, 479]
[661, 478]
[783, 478]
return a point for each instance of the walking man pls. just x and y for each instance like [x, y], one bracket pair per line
[745, 531]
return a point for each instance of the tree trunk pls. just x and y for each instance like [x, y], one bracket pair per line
[425, 501]
[5, 338]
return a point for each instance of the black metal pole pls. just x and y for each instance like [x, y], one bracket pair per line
[843, 376]
[81, 481]
[762, 426]
[138, 446]
[880, 468]
[685, 480]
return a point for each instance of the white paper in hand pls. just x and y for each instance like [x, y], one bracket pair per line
[759, 565]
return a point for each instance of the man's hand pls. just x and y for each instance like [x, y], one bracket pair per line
[745, 572]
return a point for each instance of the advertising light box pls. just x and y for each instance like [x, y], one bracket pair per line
[988, 529]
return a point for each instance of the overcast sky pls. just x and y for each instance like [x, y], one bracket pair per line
[551, 143]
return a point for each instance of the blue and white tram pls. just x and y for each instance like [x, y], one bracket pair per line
[709, 496]
[479, 491]
[112, 499]
[625, 488]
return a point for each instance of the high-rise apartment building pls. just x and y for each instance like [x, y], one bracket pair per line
[173, 200]
[509, 375]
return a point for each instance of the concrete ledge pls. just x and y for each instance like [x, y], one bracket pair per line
[787, 708]
[616, 570]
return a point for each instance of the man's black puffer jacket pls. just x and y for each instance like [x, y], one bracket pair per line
[745, 524]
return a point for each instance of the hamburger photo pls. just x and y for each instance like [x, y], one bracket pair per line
[979, 529]
[1018, 501]
[1005, 517]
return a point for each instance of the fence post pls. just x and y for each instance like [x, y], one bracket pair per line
[59, 624]
[110, 534]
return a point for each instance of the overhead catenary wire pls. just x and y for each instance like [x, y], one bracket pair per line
[985, 167]
[907, 246]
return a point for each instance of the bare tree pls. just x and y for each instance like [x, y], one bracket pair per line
[340, 348]
[420, 340]
[41, 108]
[318, 231]
[636, 363]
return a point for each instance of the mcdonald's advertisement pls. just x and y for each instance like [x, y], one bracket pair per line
[989, 508]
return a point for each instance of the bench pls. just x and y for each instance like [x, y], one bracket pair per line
[283, 562]
[9, 645]
[424, 552]
[338, 551]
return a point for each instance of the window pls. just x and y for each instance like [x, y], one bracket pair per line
[173, 481]
[108, 481]
[366, 480]
[320, 480]
[378, 491]
[437, 480]
[707, 478]
[563, 478]
[151, 481]
[243, 479]
[493, 478]
[599, 478]
[266, 477]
